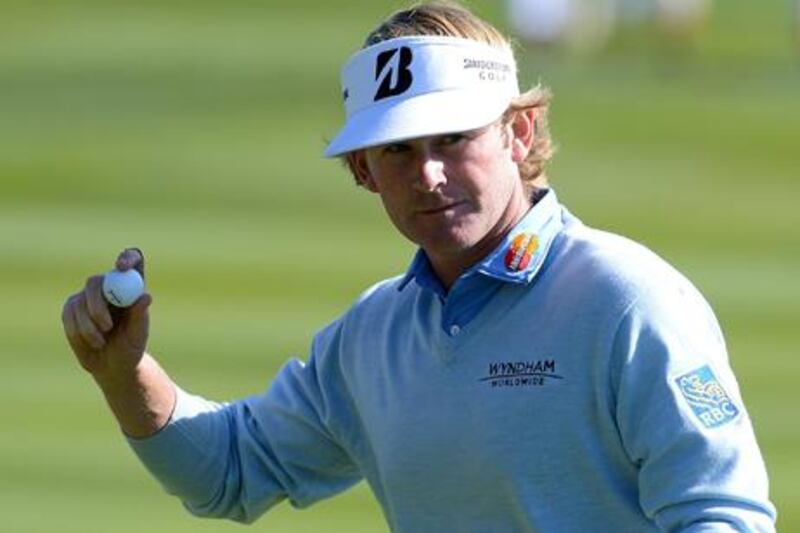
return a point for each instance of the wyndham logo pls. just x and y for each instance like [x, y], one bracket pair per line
[393, 72]
[708, 400]
[521, 373]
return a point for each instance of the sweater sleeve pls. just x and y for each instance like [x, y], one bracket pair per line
[237, 460]
[682, 420]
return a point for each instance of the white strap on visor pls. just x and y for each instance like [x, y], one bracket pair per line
[424, 85]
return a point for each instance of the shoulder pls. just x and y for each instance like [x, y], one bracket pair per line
[606, 282]
[614, 258]
[375, 304]
[654, 307]
[383, 292]
[619, 270]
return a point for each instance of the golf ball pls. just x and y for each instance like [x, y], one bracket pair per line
[122, 289]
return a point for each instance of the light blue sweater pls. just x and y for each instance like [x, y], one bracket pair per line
[583, 386]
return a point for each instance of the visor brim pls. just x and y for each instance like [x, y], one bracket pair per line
[401, 119]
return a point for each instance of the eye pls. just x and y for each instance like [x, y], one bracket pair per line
[451, 138]
[396, 148]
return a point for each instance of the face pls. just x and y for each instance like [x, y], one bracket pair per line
[455, 195]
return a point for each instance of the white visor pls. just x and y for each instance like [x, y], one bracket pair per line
[418, 86]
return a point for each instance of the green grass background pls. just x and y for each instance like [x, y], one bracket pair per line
[194, 130]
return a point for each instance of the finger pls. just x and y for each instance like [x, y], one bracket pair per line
[68, 319]
[83, 352]
[131, 258]
[96, 304]
[87, 330]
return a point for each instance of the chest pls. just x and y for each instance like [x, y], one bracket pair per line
[497, 405]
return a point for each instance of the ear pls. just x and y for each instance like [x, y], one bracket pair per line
[357, 161]
[523, 129]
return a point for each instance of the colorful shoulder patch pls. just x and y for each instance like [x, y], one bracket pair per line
[708, 400]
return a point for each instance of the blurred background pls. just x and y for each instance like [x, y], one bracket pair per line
[194, 130]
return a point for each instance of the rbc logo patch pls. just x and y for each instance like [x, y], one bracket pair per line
[708, 400]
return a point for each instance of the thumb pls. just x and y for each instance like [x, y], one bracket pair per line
[130, 258]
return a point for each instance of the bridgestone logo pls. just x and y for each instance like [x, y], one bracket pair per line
[484, 64]
[393, 73]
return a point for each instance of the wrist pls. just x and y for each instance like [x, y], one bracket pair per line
[142, 399]
[120, 379]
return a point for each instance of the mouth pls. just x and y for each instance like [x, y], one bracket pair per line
[440, 208]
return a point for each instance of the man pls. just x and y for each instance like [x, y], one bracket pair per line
[527, 373]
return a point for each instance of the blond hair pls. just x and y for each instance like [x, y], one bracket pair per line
[450, 19]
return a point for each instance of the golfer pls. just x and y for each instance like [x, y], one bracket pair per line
[527, 372]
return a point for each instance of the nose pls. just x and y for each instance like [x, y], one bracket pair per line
[431, 174]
